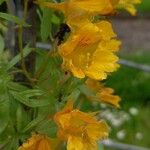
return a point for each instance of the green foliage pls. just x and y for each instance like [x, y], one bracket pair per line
[14, 19]
[48, 18]
[4, 113]
[27, 98]
[144, 6]
[46, 24]
[1, 1]
[135, 125]
[26, 51]
[1, 44]
[26, 109]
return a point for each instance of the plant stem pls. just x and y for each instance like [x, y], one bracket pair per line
[44, 64]
[21, 44]
[25, 9]
[20, 34]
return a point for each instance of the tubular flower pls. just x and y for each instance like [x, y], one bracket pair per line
[79, 129]
[110, 8]
[38, 142]
[129, 5]
[90, 51]
[78, 11]
[103, 94]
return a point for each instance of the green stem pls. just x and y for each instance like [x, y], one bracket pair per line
[44, 64]
[20, 39]
[20, 34]
[25, 9]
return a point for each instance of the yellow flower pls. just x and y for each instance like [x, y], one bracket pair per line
[103, 94]
[114, 2]
[89, 51]
[79, 129]
[78, 11]
[129, 5]
[38, 142]
[106, 95]
[110, 9]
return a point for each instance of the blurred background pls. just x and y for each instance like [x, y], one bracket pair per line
[131, 124]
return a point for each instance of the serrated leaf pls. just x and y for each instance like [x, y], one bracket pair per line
[17, 58]
[46, 24]
[1, 44]
[14, 19]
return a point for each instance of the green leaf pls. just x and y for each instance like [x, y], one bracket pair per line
[32, 93]
[3, 27]
[14, 19]
[75, 94]
[33, 123]
[16, 87]
[1, 44]
[46, 24]
[55, 19]
[85, 90]
[19, 117]
[4, 113]
[47, 127]
[1, 1]
[29, 101]
[17, 58]
[13, 144]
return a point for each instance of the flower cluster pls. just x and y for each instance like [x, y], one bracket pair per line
[88, 52]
